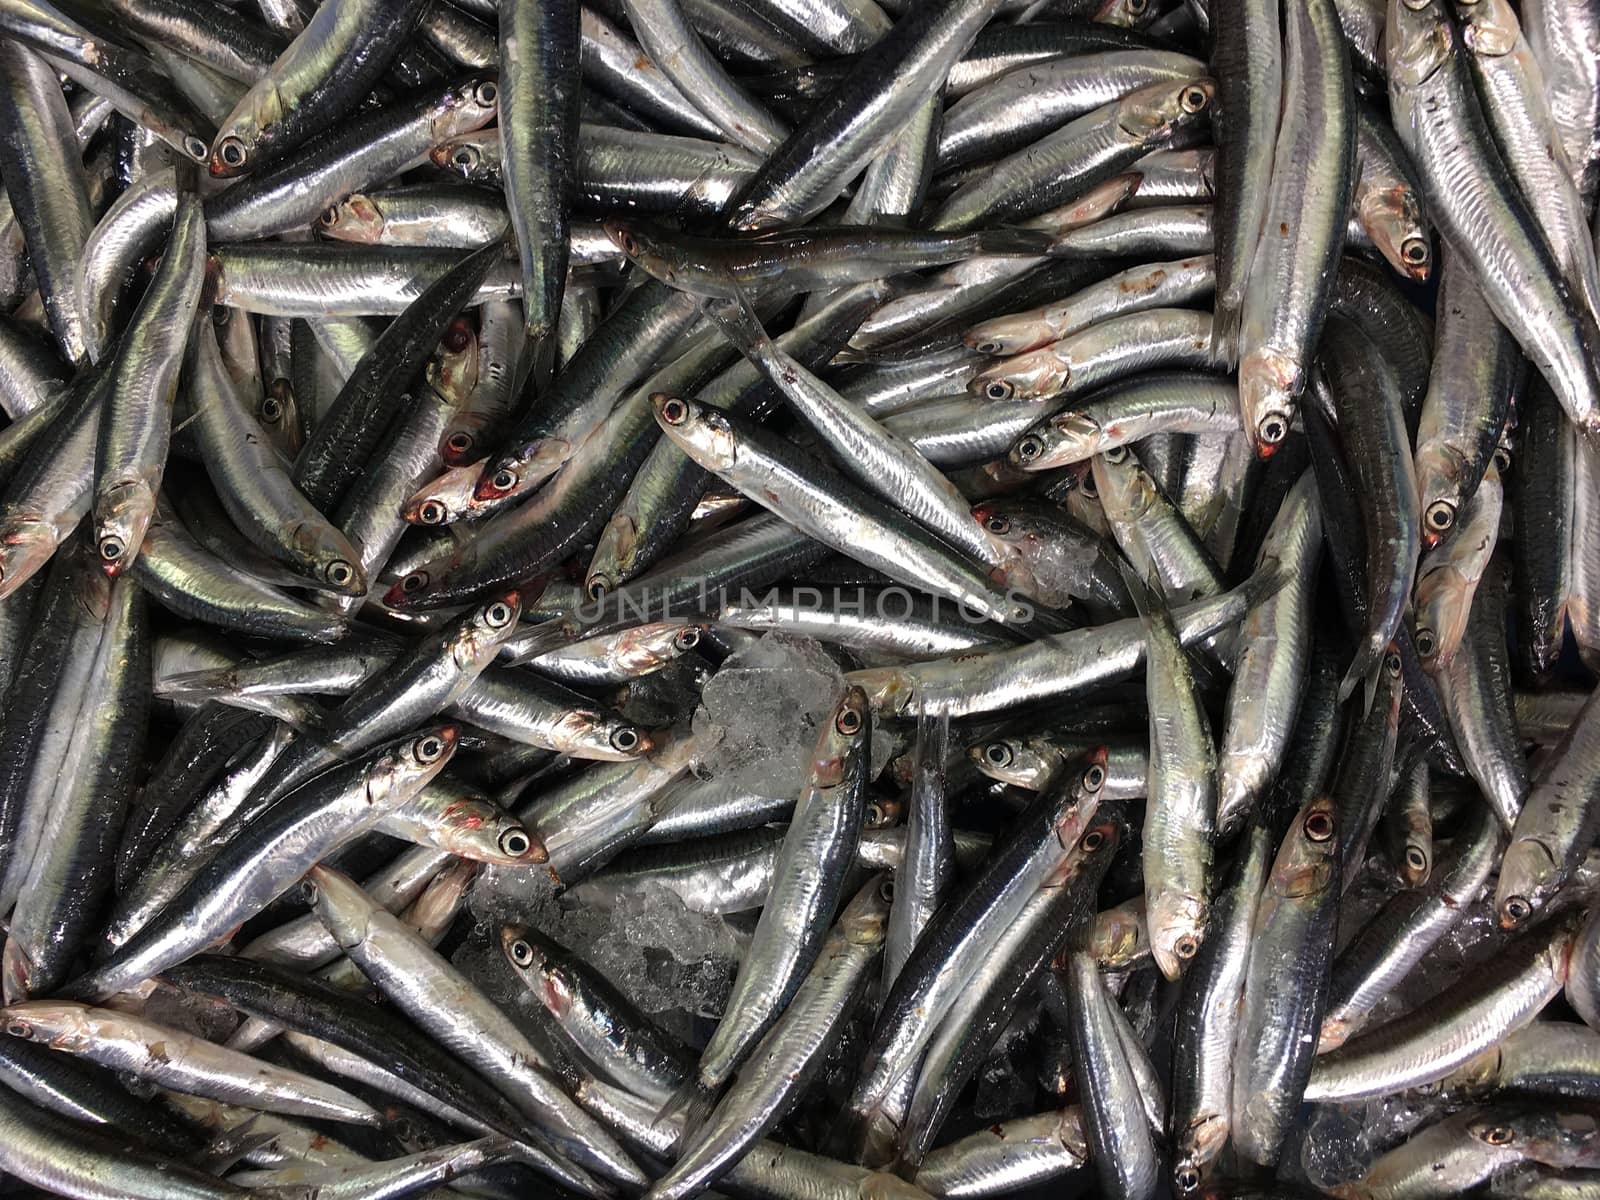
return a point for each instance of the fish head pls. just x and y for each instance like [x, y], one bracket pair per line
[1177, 923]
[1440, 470]
[122, 514]
[1307, 862]
[1529, 874]
[1124, 14]
[842, 742]
[1269, 383]
[279, 415]
[59, 1024]
[1160, 108]
[467, 157]
[452, 370]
[1067, 437]
[1101, 835]
[1418, 40]
[1488, 27]
[613, 557]
[653, 250]
[409, 765]
[1198, 1148]
[469, 105]
[331, 559]
[1549, 1134]
[238, 146]
[1126, 490]
[884, 812]
[1009, 335]
[704, 434]
[446, 499]
[647, 648]
[341, 905]
[476, 635]
[865, 919]
[356, 218]
[1392, 217]
[593, 733]
[1031, 376]
[1015, 760]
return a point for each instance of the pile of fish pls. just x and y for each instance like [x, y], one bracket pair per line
[805, 599]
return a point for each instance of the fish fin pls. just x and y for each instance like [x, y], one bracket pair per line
[739, 324]
[230, 1146]
[1147, 601]
[692, 1102]
[1034, 243]
[1225, 336]
[1365, 674]
[196, 685]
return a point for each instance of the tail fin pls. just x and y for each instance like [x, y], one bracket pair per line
[739, 324]
[1029, 243]
[1225, 336]
[691, 1104]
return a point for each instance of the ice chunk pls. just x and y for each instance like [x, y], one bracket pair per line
[759, 714]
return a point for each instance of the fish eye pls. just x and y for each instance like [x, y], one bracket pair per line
[459, 443]
[414, 582]
[464, 156]
[1441, 515]
[111, 548]
[686, 638]
[1116, 456]
[1414, 250]
[625, 739]
[1089, 488]
[1137, 8]
[875, 816]
[272, 410]
[1273, 429]
[886, 891]
[514, 843]
[674, 411]
[998, 524]
[339, 573]
[848, 722]
[329, 217]
[1516, 909]
[1415, 858]
[195, 148]
[1094, 778]
[521, 953]
[19, 1029]
[998, 754]
[504, 479]
[989, 346]
[1426, 643]
[431, 513]
[599, 585]
[428, 749]
[486, 93]
[1029, 448]
[1092, 841]
[498, 614]
[1318, 825]
[1193, 99]
[999, 389]
[1186, 1177]
[1391, 663]
[1186, 947]
[231, 151]
[1499, 1135]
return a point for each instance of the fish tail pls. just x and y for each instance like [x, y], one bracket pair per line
[1033, 243]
